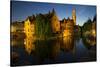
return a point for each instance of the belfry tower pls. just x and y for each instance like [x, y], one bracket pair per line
[74, 16]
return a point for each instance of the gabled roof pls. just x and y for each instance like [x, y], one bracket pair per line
[31, 18]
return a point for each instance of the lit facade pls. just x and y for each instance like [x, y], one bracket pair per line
[55, 23]
[67, 25]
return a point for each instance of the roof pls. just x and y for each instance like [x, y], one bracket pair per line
[16, 23]
[31, 18]
[66, 20]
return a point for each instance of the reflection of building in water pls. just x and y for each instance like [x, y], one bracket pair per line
[47, 49]
[29, 45]
[68, 43]
[14, 57]
[15, 42]
[55, 48]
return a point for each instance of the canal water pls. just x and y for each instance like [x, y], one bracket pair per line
[58, 50]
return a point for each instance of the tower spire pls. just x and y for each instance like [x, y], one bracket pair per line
[53, 11]
[74, 15]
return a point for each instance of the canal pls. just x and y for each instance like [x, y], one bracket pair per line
[58, 50]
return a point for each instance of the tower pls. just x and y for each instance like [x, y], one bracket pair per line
[74, 16]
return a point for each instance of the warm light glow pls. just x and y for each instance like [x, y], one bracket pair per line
[13, 28]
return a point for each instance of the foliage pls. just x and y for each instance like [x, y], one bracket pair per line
[87, 26]
[42, 26]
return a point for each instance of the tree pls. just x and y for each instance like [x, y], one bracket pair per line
[42, 26]
[87, 25]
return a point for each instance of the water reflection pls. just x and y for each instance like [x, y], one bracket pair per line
[68, 43]
[29, 45]
[51, 51]
[47, 49]
[90, 42]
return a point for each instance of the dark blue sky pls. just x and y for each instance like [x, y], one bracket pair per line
[20, 10]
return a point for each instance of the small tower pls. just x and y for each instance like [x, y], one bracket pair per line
[74, 16]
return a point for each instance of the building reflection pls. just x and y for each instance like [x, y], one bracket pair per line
[29, 45]
[50, 49]
[13, 42]
[16, 42]
[88, 43]
[47, 49]
[68, 43]
[55, 48]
